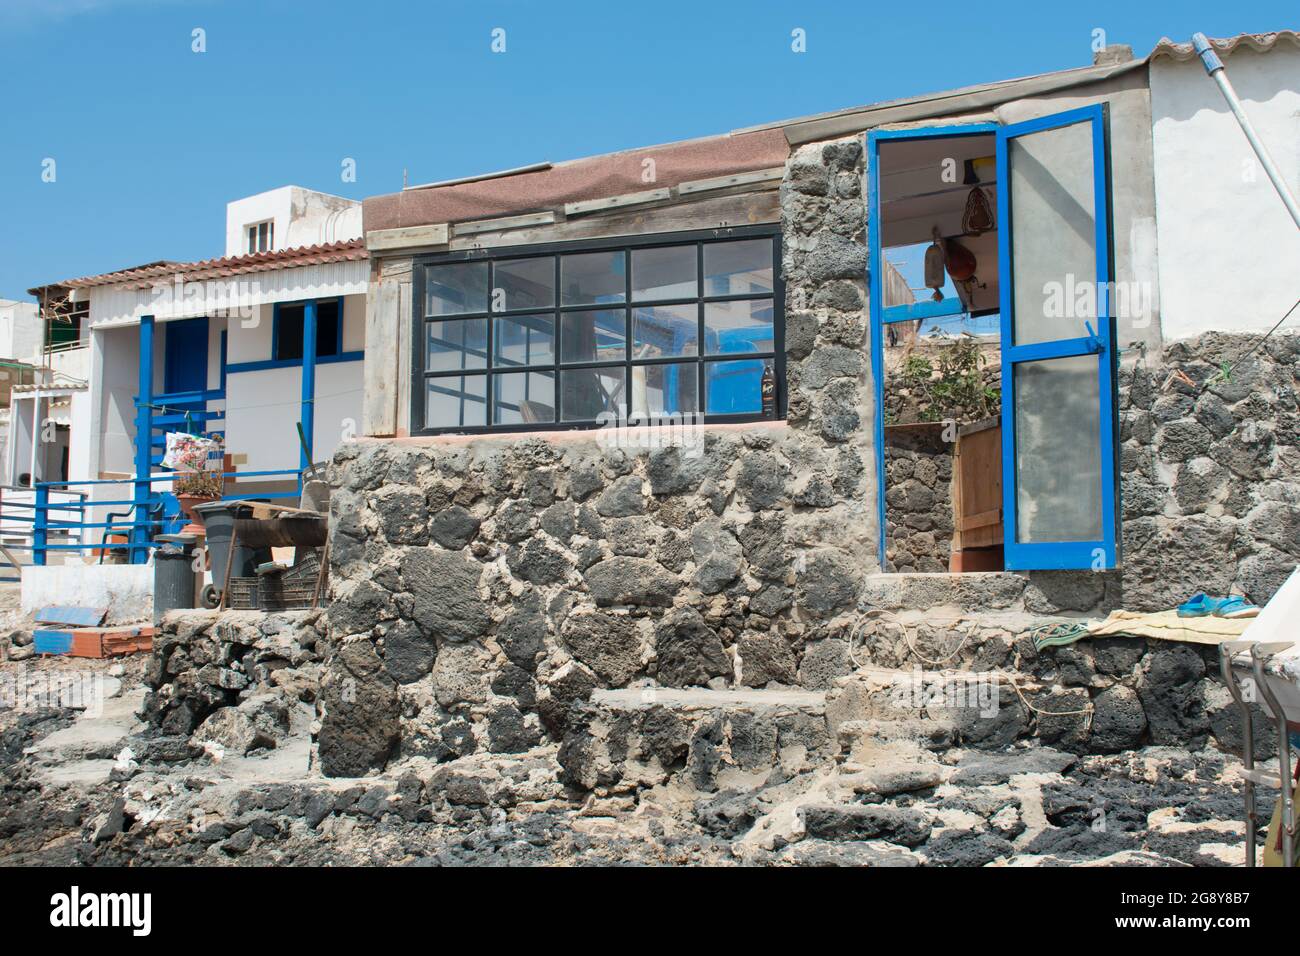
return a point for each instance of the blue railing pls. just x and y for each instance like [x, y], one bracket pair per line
[135, 530]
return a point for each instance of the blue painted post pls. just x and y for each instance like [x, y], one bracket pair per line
[308, 413]
[143, 446]
[40, 523]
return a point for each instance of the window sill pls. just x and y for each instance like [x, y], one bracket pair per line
[575, 435]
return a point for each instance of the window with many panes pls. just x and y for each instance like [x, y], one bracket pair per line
[568, 337]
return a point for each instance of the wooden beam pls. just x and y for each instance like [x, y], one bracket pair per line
[715, 212]
[616, 202]
[505, 222]
[379, 375]
[404, 237]
[738, 179]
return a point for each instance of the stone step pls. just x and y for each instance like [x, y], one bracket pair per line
[1037, 592]
[637, 737]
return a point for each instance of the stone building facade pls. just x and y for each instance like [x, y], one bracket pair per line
[484, 586]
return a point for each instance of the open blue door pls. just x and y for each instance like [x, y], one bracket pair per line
[1058, 356]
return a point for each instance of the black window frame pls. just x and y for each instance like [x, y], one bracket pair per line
[628, 244]
[334, 343]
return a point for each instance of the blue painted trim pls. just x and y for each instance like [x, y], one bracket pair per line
[42, 520]
[262, 366]
[143, 494]
[874, 257]
[1071, 554]
[922, 310]
[307, 414]
[879, 315]
[932, 132]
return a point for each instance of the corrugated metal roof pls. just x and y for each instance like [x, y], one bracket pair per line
[1259, 42]
[142, 277]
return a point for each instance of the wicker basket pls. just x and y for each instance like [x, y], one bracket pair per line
[242, 595]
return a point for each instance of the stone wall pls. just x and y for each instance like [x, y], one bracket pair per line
[234, 678]
[480, 587]
[1210, 470]
[483, 587]
[918, 499]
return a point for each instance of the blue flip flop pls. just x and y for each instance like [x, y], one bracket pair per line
[1234, 606]
[1199, 604]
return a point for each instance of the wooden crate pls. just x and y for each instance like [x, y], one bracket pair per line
[977, 496]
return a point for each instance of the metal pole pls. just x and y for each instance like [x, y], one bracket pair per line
[308, 412]
[1214, 67]
[143, 446]
[1259, 656]
[1226, 652]
[36, 438]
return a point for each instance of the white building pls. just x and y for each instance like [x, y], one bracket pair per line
[217, 347]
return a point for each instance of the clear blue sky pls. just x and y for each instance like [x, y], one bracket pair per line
[151, 140]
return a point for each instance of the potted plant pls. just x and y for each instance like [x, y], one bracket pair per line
[195, 483]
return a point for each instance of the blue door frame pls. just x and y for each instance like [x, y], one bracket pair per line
[1033, 556]
[1099, 341]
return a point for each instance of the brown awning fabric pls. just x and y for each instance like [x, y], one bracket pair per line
[597, 177]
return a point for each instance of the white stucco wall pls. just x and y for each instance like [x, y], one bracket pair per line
[20, 330]
[1228, 249]
[262, 406]
[302, 217]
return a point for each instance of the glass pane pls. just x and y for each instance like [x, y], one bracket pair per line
[455, 401]
[738, 268]
[1058, 450]
[593, 336]
[668, 273]
[662, 330]
[1053, 234]
[460, 343]
[328, 337]
[741, 326]
[587, 392]
[734, 388]
[523, 284]
[659, 390]
[288, 332]
[455, 288]
[523, 398]
[593, 278]
[524, 340]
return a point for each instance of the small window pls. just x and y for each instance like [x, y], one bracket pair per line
[287, 333]
[261, 237]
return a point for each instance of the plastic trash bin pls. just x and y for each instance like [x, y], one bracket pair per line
[219, 524]
[173, 578]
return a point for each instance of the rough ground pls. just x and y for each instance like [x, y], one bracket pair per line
[69, 796]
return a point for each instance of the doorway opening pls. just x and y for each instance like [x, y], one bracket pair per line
[941, 353]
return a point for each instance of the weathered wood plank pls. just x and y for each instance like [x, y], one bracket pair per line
[737, 179]
[504, 222]
[616, 202]
[379, 374]
[405, 237]
[716, 212]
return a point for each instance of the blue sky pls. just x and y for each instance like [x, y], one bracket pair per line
[151, 140]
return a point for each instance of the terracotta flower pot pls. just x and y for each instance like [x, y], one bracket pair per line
[187, 503]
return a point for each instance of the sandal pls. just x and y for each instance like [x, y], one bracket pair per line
[1234, 607]
[1200, 605]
